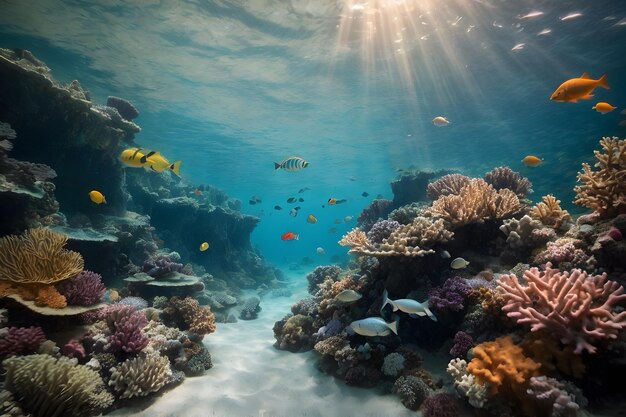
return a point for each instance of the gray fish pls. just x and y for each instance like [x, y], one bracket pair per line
[365, 194]
[293, 212]
[278, 208]
[291, 164]
[292, 200]
[374, 326]
[414, 308]
[348, 296]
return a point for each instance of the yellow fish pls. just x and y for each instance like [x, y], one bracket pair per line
[311, 219]
[139, 158]
[531, 161]
[576, 89]
[603, 107]
[204, 246]
[97, 197]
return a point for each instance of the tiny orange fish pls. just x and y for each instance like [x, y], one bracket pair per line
[289, 236]
[531, 161]
[603, 107]
[576, 89]
[332, 201]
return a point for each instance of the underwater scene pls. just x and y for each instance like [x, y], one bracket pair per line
[312, 208]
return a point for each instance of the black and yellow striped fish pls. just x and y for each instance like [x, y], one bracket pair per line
[293, 163]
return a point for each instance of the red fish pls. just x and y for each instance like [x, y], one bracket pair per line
[289, 236]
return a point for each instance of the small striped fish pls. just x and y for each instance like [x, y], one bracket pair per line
[293, 163]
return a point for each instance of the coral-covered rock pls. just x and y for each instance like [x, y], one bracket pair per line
[123, 106]
[294, 333]
[450, 296]
[412, 391]
[440, 405]
[377, 209]
[462, 343]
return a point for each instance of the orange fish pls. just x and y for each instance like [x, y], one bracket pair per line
[289, 236]
[603, 107]
[332, 201]
[576, 89]
[531, 161]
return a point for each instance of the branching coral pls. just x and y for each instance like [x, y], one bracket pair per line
[20, 339]
[476, 202]
[37, 257]
[447, 185]
[505, 177]
[572, 305]
[140, 376]
[84, 289]
[466, 384]
[49, 387]
[603, 189]
[415, 239]
[550, 213]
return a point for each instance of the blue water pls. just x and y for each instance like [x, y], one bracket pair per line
[231, 87]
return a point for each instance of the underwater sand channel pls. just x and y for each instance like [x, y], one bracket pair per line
[250, 378]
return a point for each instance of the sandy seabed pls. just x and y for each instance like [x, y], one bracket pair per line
[250, 378]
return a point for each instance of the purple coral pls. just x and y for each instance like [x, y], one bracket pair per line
[370, 214]
[161, 266]
[73, 349]
[123, 106]
[462, 343]
[450, 296]
[126, 331]
[440, 405]
[16, 340]
[381, 230]
[84, 289]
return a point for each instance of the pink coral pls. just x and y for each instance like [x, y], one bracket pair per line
[84, 289]
[21, 339]
[572, 305]
[73, 349]
[126, 325]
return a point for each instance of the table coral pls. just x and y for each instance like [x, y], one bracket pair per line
[50, 387]
[574, 306]
[603, 188]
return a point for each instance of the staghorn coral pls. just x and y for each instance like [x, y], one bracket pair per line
[415, 239]
[16, 340]
[505, 177]
[38, 257]
[572, 305]
[48, 387]
[550, 213]
[450, 184]
[84, 289]
[476, 202]
[603, 188]
[138, 377]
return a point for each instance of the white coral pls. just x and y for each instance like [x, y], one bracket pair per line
[466, 384]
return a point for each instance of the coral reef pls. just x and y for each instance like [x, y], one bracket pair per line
[320, 274]
[572, 305]
[550, 213]
[381, 230]
[450, 184]
[415, 239]
[440, 405]
[84, 289]
[555, 396]
[123, 107]
[463, 342]
[450, 296]
[126, 326]
[140, 376]
[53, 387]
[412, 391]
[505, 177]
[377, 209]
[186, 314]
[476, 202]
[14, 340]
[602, 187]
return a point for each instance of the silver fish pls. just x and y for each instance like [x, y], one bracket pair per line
[374, 326]
[414, 308]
